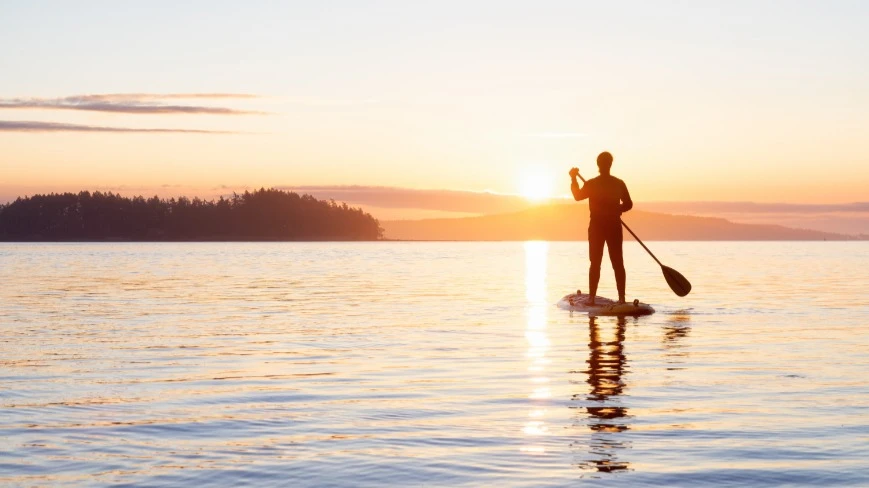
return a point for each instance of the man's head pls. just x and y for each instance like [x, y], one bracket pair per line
[604, 162]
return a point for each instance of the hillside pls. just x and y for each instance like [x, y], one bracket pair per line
[563, 222]
[263, 215]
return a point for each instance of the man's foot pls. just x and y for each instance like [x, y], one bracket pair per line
[620, 301]
[589, 302]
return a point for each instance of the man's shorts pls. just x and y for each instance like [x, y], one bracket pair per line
[607, 232]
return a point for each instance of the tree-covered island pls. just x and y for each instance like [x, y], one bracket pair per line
[262, 215]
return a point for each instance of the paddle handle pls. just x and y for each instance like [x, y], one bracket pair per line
[632, 232]
[641, 243]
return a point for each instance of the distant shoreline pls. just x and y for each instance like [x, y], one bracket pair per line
[23, 241]
[569, 222]
[262, 215]
[173, 241]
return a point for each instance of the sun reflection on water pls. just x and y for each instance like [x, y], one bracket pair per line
[340, 364]
[538, 344]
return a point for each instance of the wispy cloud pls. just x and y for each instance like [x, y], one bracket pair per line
[442, 200]
[329, 102]
[558, 135]
[28, 126]
[843, 218]
[131, 103]
[167, 96]
[696, 208]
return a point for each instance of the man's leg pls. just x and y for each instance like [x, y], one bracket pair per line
[614, 241]
[596, 239]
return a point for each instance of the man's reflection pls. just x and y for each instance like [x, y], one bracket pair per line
[606, 417]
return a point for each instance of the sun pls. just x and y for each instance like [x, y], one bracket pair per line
[536, 185]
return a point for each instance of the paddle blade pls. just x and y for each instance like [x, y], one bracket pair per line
[677, 282]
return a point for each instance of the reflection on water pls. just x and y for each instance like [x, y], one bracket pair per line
[538, 344]
[677, 327]
[604, 405]
[607, 417]
[445, 364]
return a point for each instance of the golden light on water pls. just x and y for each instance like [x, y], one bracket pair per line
[538, 342]
[535, 427]
[540, 412]
[150, 364]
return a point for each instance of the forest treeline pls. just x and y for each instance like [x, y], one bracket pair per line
[265, 214]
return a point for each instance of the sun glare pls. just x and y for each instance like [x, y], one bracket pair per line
[536, 185]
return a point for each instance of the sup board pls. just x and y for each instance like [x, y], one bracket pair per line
[575, 302]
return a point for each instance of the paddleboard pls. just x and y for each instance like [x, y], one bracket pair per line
[575, 302]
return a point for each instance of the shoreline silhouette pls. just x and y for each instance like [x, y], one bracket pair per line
[552, 222]
[568, 222]
[262, 215]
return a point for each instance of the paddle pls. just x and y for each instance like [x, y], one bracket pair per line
[677, 282]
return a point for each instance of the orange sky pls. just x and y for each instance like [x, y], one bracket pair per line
[733, 102]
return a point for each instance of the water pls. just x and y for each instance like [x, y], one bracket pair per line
[443, 364]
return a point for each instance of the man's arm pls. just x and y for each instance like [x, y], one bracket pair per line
[578, 193]
[627, 203]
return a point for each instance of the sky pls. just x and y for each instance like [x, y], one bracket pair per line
[698, 101]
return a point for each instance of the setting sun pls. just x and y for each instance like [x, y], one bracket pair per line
[536, 185]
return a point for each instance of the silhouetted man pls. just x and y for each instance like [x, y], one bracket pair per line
[607, 197]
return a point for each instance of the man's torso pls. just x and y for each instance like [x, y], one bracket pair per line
[605, 198]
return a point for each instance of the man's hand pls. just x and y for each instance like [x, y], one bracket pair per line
[574, 172]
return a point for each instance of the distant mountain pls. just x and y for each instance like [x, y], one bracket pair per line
[564, 222]
[390, 203]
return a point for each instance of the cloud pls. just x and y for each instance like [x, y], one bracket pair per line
[846, 218]
[330, 102]
[442, 200]
[130, 103]
[558, 135]
[842, 218]
[752, 207]
[166, 96]
[27, 126]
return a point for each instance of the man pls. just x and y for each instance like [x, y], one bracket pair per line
[608, 197]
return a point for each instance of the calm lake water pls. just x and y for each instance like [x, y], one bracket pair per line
[440, 364]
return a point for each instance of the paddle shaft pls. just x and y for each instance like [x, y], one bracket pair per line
[632, 232]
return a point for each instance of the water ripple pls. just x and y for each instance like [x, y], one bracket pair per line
[438, 364]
